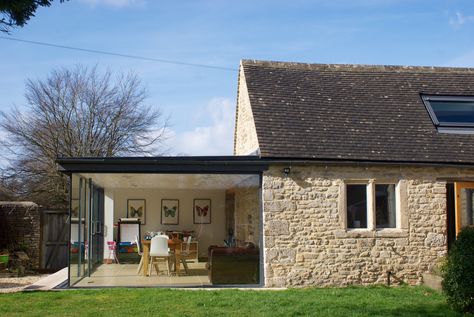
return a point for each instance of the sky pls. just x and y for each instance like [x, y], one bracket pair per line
[200, 102]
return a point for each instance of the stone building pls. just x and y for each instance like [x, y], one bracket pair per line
[341, 175]
[370, 167]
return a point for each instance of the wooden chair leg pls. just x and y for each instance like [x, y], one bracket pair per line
[185, 264]
[157, 268]
[150, 266]
[168, 265]
[172, 263]
[140, 265]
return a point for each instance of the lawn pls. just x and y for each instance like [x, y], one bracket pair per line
[352, 301]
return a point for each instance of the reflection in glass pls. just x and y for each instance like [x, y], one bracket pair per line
[385, 213]
[85, 227]
[75, 233]
[467, 204]
[453, 111]
[356, 206]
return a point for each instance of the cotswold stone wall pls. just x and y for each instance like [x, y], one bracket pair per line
[245, 139]
[306, 243]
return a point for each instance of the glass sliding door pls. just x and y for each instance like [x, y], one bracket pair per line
[78, 230]
[97, 227]
[76, 234]
[86, 228]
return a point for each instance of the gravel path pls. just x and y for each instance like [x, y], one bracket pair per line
[16, 284]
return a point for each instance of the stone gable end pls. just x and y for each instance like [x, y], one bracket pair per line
[245, 138]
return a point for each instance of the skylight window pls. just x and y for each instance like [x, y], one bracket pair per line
[451, 113]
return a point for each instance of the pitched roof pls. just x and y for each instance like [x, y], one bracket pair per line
[354, 112]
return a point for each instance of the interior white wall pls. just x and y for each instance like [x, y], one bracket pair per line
[208, 234]
[108, 219]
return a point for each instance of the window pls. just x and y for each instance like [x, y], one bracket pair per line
[385, 208]
[451, 113]
[373, 205]
[356, 206]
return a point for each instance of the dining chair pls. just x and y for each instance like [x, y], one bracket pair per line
[140, 253]
[112, 246]
[159, 251]
[185, 254]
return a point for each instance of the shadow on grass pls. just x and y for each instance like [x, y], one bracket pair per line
[408, 310]
[11, 285]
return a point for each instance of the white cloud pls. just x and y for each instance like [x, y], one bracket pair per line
[115, 3]
[460, 19]
[215, 138]
[464, 60]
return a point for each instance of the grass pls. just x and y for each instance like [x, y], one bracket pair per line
[352, 301]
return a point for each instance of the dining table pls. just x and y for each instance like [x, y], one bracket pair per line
[175, 249]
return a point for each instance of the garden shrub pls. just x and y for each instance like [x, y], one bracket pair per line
[458, 272]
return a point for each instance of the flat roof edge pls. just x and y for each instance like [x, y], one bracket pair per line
[170, 164]
[217, 164]
[157, 159]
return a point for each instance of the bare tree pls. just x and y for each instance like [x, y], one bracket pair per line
[76, 113]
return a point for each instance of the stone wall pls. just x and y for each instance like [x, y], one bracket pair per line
[20, 227]
[306, 242]
[247, 214]
[245, 138]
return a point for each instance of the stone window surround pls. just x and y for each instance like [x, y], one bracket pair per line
[401, 229]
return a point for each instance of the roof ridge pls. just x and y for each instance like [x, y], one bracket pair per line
[354, 67]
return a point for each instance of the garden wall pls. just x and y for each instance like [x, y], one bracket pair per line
[20, 229]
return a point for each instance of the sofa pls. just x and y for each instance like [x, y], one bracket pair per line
[227, 265]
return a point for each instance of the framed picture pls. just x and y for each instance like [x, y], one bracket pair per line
[169, 211]
[136, 208]
[202, 211]
[74, 208]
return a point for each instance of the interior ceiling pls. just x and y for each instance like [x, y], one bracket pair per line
[173, 181]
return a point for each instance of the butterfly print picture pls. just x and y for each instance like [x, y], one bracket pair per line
[169, 211]
[202, 211]
[136, 213]
[136, 208]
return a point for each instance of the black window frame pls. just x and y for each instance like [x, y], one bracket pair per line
[426, 101]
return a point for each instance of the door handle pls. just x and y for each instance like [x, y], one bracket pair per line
[99, 227]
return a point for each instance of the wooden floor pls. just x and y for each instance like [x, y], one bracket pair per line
[125, 275]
